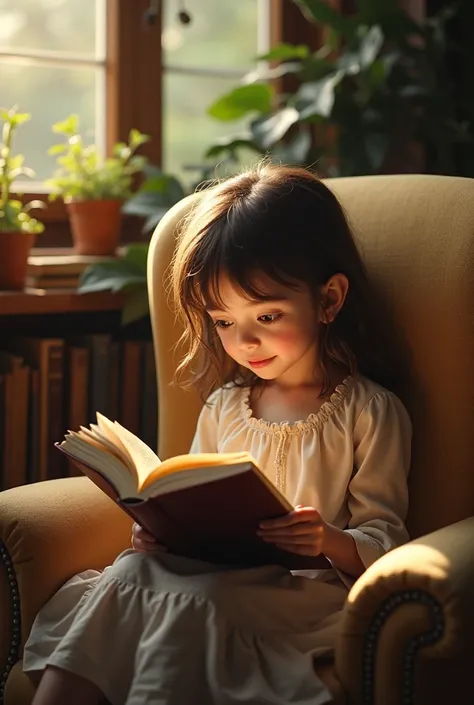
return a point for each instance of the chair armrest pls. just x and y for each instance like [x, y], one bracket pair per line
[407, 628]
[48, 532]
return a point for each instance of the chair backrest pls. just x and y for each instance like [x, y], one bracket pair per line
[416, 235]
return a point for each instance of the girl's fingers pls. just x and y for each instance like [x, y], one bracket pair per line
[298, 516]
[306, 529]
[304, 540]
[144, 546]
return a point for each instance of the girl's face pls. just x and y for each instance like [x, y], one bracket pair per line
[276, 339]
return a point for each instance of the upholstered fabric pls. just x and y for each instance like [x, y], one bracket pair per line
[408, 626]
[48, 532]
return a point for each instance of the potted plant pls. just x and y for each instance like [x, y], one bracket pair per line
[128, 273]
[17, 228]
[92, 187]
[374, 98]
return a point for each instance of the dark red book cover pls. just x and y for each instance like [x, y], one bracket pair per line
[215, 522]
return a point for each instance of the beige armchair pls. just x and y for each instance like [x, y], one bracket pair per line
[407, 633]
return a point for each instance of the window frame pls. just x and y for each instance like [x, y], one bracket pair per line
[134, 95]
[133, 99]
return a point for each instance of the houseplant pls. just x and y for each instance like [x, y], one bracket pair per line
[93, 187]
[18, 228]
[128, 273]
[372, 99]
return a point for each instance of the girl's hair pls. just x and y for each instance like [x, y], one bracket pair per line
[282, 222]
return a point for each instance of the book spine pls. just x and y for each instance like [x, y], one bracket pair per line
[33, 463]
[55, 426]
[130, 376]
[114, 381]
[78, 392]
[22, 383]
[99, 388]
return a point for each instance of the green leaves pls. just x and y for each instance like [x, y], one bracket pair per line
[14, 216]
[126, 274]
[155, 197]
[269, 130]
[253, 97]
[83, 174]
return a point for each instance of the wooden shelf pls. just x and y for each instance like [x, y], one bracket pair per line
[40, 301]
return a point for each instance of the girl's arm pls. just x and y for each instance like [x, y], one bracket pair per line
[378, 491]
[378, 496]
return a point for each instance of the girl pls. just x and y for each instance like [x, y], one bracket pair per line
[269, 283]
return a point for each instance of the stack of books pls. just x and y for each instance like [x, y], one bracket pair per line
[58, 271]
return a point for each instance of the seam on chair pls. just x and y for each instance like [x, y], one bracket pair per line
[412, 647]
[14, 595]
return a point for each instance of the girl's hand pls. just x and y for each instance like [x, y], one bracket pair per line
[301, 531]
[142, 540]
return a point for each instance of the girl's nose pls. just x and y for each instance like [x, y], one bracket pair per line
[248, 340]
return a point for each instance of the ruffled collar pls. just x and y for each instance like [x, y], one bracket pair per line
[311, 422]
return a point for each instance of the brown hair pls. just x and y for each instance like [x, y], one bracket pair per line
[285, 223]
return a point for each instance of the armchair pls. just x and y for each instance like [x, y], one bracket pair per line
[407, 631]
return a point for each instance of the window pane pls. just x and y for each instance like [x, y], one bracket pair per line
[50, 95]
[187, 130]
[221, 34]
[53, 25]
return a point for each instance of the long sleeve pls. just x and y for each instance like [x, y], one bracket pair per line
[207, 428]
[378, 492]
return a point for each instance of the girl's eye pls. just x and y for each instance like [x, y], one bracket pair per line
[222, 324]
[270, 317]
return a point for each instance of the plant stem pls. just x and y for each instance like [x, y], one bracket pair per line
[7, 143]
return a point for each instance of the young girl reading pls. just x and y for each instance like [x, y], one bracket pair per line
[269, 283]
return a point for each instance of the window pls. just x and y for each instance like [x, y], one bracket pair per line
[52, 64]
[202, 60]
[102, 59]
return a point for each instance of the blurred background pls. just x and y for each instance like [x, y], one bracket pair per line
[346, 86]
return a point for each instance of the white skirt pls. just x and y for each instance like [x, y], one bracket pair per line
[159, 629]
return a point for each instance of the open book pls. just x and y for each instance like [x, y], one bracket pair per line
[206, 506]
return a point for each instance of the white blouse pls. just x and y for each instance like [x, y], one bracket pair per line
[350, 460]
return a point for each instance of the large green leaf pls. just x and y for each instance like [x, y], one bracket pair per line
[370, 46]
[296, 151]
[136, 255]
[317, 97]
[269, 130]
[136, 305]
[253, 97]
[115, 276]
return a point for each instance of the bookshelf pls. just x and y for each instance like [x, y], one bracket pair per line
[97, 364]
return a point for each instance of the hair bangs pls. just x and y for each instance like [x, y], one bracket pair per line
[232, 251]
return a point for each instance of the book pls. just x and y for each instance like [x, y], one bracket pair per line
[131, 393]
[52, 282]
[47, 356]
[17, 380]
[62, 265]
[77, 398]
[206, 506]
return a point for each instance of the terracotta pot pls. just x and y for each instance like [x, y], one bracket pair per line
[95, 226]
[14, 250]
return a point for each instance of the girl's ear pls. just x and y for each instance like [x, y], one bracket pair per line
[333, 295]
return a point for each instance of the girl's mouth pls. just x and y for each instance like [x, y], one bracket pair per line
[256, 364]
